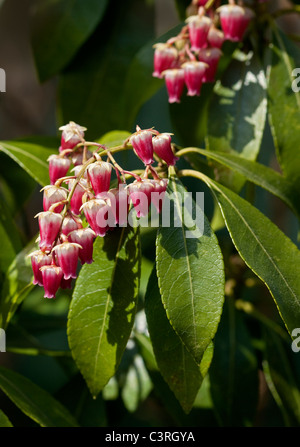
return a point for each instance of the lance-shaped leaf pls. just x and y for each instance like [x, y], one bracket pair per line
[174, 361]
[4, 421]
[35, 402]
[190, 271]
[283, 58]
[69, 23]
[240, 99]
[103, 307]
[266, 250]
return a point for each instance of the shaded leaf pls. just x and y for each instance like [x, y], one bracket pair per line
[4, 421]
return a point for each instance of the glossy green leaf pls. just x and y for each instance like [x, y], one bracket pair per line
[234, 371]
[32, 156]
[266, 250]
[190, 272]
[69, 23]
[91, 89]
[4, 421]
[284, 103]
[257, 173]
[103, 307]
[35, 402]
[174, 361]
[240, 99]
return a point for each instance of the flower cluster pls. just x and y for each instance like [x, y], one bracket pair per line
[191, 58]
[81, 204]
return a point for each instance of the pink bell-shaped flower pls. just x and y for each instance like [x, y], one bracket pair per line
[198, 26]
[67, 257]
[165, 56]
[54, 195]
[215, 37]
[76, 199]
[52, 276]
[211, 57]
[141, 141]
[70, 223]
[49, 224]
[162, 147]
[174, 79]
[157, 196]
[38, 260]
[72, 134]
[95, 211]
[100, 175]
[58, 167]
[85, 238]
[234, 21]
[120, 203]
[140, 196]
[193, 75]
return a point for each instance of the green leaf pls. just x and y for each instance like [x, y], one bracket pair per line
[102, 65]
[103, 307]
[240, 99]
[190, 273]
[32, 156]
[257, 173]
[10, 238]
[69, 23]
[35, 402]
[114, 138]
[284, 103]
[234, 371]
[265, 249]
[174, 361]
[4, 421]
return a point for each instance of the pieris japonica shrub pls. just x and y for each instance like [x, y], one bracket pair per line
[159, 271]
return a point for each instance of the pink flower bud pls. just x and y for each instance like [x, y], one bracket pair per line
[162, 147]
[76, 199]
[157, 196]
[95, 211]
[215, 37]
[140, 196]
[49, 224]
[141, 141]
[85, 238]
[72, 134]
[52, 195]
[38, 260]
[234, 21]
[58, 167]
[121, 204]
[70, 224]
[77, 157]
[198, 26]
[52, 276]
[193, 74]
[211, 57]
[100, 175]
[67, 258]
[165, 56]
[174, 79]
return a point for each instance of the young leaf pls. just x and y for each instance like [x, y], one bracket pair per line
[266, 250]
[241, 100]
[174, 361]
[35, 402]
[4, 421]
[103, 307]
[69, 23]
[190, 273]
[234, 371]
[284, 103]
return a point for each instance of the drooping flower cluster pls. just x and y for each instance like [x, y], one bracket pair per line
[81, 204]
[191, 58]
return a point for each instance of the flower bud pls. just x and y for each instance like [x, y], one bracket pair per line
[38, 260]
[49, 224]
[157, 196]
[100, 175]
[165, 56]
[193, 75]
[141, 141]
[52, 276]
[120, 196]
[70, 224]
[72, 134]
[95, 211]
[198, 26]
[174, 79]
[85, 238]
[211, 57]
[76, 199]
[215, 37]
[52, 195]
[58, 167]
[67, 258]
[162, 147]
[140, 196]
[234, 21]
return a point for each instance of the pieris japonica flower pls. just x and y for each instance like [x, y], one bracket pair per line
[100, 174]
[234, 21]
[72, 134]
[165, 56]
[162, 147]
[141, 141]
